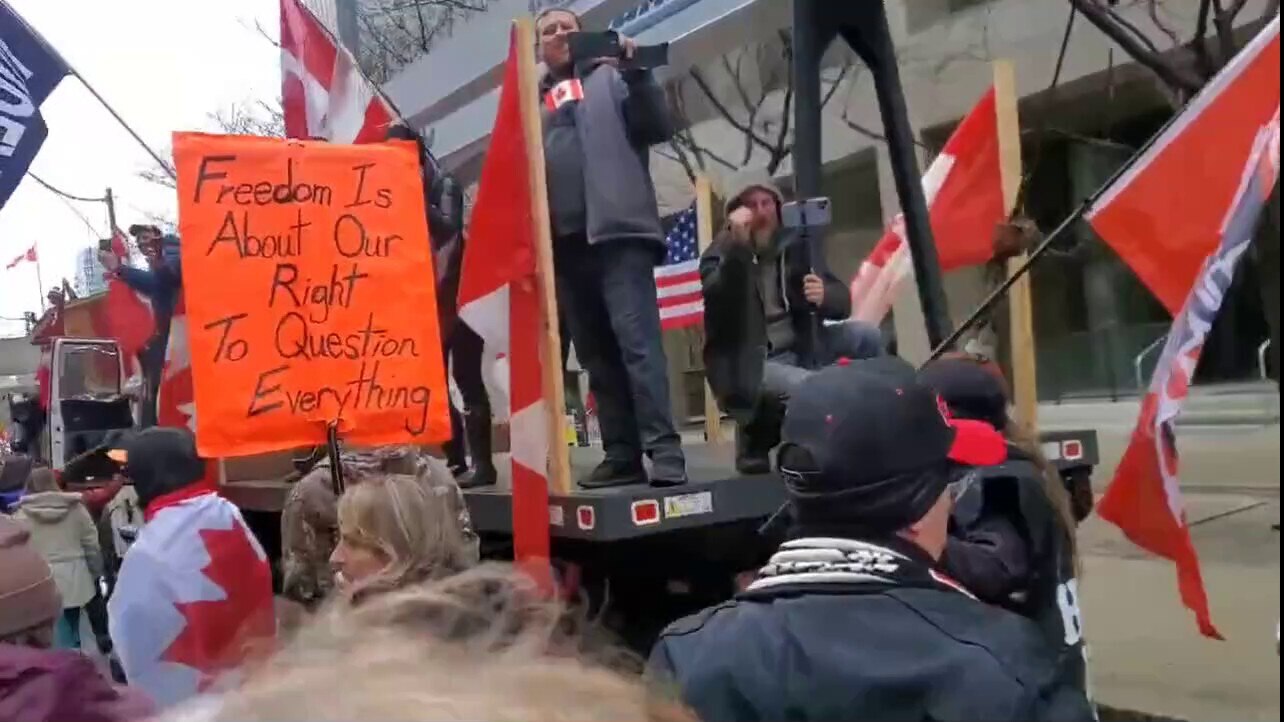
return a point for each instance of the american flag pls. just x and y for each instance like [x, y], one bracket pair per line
[677, 281]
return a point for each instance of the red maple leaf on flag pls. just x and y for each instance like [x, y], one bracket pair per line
[221, 634]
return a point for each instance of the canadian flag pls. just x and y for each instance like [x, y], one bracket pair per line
[964, 191]
[129, 318]
[323, 93]
[29, 255]
[564, 92]
[193, 601]
[499, 299]
[175, 404]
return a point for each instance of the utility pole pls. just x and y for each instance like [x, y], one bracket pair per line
[111, 212]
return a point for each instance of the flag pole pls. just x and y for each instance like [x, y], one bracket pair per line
[559, 463]
[704, 234]
[40, 284]
[1020, 303]
[169, 170]
[72, 70]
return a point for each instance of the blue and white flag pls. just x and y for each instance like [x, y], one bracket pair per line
[29, 71]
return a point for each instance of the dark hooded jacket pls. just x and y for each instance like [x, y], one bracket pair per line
[597, 155]
[735, 314]
[1009, 548]
[839, 629]
[54, 685]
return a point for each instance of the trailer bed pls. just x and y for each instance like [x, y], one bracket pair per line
[715, 494]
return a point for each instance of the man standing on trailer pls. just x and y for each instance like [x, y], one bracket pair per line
[599, 122]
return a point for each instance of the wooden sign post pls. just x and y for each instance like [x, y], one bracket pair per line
[559, 462]
[1020, 312]
[704, 236]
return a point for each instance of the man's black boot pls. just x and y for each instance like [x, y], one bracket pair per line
[615, 473]
[477, 428]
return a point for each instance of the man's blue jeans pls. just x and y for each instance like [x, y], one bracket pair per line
[606, 292]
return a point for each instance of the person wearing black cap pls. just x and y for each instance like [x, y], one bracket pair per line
[1012, 534]
[444, 202]
[850, 618]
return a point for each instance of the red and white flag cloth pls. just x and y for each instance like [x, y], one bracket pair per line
[964, 191]
[323, 94]
[1162, 216]
[193, 601]
[129, 318]
[29, 255]
[176, 401]
[499, 299]
[1144, 499]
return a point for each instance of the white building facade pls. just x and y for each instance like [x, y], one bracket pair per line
[729, 81]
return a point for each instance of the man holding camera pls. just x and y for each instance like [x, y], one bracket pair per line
[601, 113]
[762, 297]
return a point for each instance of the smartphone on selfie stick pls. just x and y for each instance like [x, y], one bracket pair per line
[809, 218]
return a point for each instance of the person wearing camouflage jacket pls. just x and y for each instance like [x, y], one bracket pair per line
[310, 524]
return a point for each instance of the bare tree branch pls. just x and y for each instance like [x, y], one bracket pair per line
[1113, 26]
[718, 105]
[1224, 25]
[1199, 42]
[1152, 7]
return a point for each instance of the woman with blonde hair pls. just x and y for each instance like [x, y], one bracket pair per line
[396, 530]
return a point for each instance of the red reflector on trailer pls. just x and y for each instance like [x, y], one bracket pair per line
[1072, 450]
[646, 512]
[585, 517]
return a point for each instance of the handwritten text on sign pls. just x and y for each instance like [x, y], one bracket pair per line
[308, 283]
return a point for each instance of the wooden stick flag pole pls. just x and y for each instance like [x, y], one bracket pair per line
[1020, 308]
[704, 230]
[559, 462]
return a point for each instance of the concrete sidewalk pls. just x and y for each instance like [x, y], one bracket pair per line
[1146, 652]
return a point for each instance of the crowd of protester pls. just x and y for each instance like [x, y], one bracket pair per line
[926, 564]
[923, 576]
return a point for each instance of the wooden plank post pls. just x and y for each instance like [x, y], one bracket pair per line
[704, 236]
[559, 462]
[1020, 312]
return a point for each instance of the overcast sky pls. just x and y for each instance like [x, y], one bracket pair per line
[163, 65]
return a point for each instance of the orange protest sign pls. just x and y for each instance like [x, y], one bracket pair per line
[308, 284]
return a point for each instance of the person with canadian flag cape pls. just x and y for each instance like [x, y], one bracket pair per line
[193, 600]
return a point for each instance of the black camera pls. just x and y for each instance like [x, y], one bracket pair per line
[591, 46]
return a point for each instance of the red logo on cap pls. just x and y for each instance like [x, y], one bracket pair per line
[944, 409]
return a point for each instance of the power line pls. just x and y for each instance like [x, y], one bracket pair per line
[63, 196]
[63, 193]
